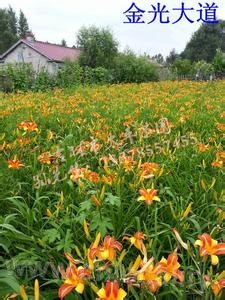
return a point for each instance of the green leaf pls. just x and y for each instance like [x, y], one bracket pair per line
[101, 224]
[51, 235]
[113, 200]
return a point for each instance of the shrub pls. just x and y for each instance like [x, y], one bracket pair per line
[43, 81]
[182, 67]
[130, 68]
[219, 63]
[69, 75]
[203, 69]
[102, 75]
[21, 75]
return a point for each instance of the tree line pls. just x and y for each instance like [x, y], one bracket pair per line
[202, 56]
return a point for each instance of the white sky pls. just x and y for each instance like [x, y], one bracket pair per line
[52, 20]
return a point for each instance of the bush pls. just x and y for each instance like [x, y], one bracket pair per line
[101, 75]
[130, 68]
[182, 67]
[43, 81]
[203, 69]
[69, 75]
[219, 63]
[6, 84]
[20, 75]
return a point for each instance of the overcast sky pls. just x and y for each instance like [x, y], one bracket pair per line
[53, 20]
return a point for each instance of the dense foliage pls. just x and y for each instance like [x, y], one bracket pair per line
[11, 28]
[86, 172]
[219, 63]
[205, 41]
[99, 47]
[130, 68]
[21, 76]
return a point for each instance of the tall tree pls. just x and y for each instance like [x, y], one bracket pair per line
[23, 27]
[173, 55]
[63, 43]
[205, 41]
[12, 20]
[7, 33]
[99, 48]
[158, 58]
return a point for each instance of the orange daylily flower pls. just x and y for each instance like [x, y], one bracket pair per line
[220, 126]
[92, 176]
[203, 147]
[76, 174]
[148, 170]
[28, 126]
[74, 279]
[137, 240]
[24, 141]
[217, 164]
[148, 195]
[217, 284]
[95, 147]
[221, 156]
[109, 179]
[170, 267]
[47, 158]
[107, 251]
[111, 291]
[127, 162]
[150, 275]
[14, 163]
[209, 246]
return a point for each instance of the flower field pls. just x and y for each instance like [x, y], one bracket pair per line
[113, 192]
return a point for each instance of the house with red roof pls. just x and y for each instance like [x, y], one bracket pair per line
[39, 54]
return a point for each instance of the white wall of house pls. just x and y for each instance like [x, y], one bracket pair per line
[23, 53]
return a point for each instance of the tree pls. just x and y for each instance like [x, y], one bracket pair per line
[99, 48]
[158, 58]
[173, 55]
[63, 43]
[23, 27]
[205, 41]
[8, 34]
[12, 20]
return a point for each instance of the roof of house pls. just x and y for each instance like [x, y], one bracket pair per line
[53, 52]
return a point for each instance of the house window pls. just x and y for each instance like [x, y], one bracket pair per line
[20, 57]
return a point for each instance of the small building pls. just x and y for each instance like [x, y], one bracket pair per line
[39, 54]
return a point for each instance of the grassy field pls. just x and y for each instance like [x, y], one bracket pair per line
[113, 192]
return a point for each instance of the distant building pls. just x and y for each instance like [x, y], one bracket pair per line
[40, 54]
